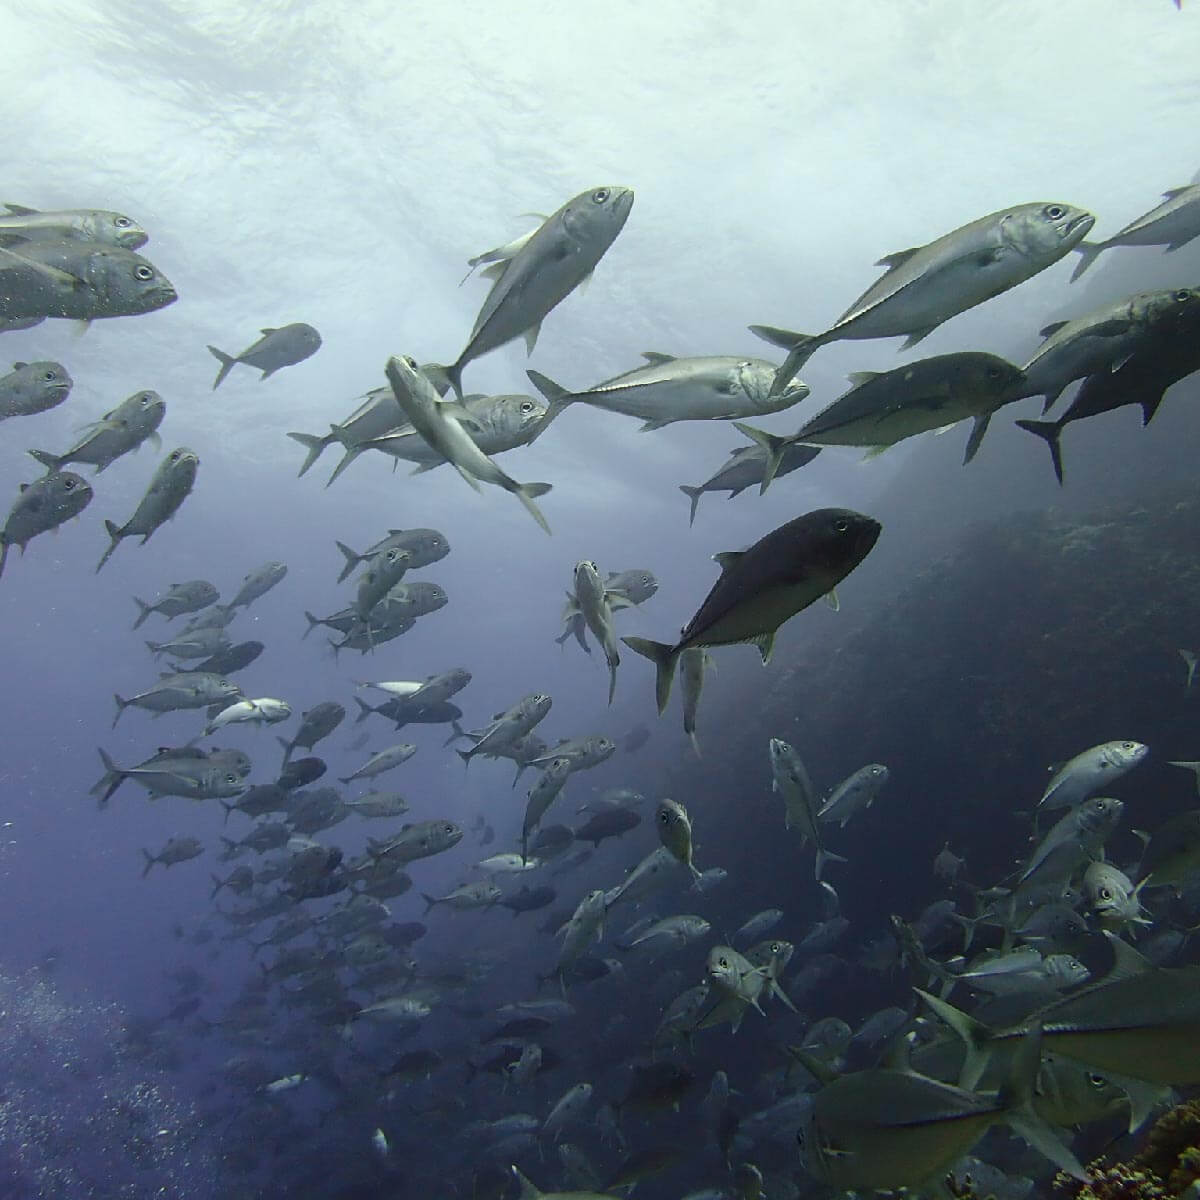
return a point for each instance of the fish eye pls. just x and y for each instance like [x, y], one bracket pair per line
[1096, 1080]
[1127, 745]
[775, 947]
[722, 962]
[231, 778]
[1105, 893]
[50, 376]
[1182, 296]
[526, 406]
[993, 372]
[841, 525]
[68, 484]
[411, 363]
[1056, 212]
[600, 196]
[122, 222]
[143, 272]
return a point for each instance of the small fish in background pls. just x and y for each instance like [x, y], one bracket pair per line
[169, 488]
[258, 583]
[121, 430]
[1173, 223]
[189, 596]
[675, 832]
[1189, 661]
[34, 387]
[177, 850]
[278, 347]
[592, 599]
[43, 505]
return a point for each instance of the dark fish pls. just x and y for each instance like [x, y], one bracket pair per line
[169, 487]
[232, 658]
[300, 773]
[520, 1027]
[316, 723]
[760, 588]
[530, 899]
[43, 505]
[33, 388]
[180, 598]
[119, 431]
[643, 1164]
[403, 711]
[282, 347]
[1173, 851]
[656, 1085]
[1169, 353]
[608, 824]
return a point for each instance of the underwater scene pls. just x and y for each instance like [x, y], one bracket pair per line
[600, 602]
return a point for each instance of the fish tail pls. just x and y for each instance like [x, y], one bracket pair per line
[800, 348]
[1087, 252]
[459, 732]
[974, 1034]
[527, 493]
[613, 663]
[218, 884]
[122, 705]
[52, 462]
[442, 379]
[146, 610]
[3, 553]
[150, 861]
[664, 658]
[114, 532]
[695, 744]
[352, 559]
[555, 394]
[465, 755]
[228, 809]
[227, 365]
[109, 781]
[351, 454]
[430, 901]
[313, 444]
[772, 443]
[824, 856]
[978, 429]
[364, 710]
[693, 494]
[288, 747]
[1051, 433]
[313, 622]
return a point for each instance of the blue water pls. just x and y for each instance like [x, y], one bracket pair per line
[308, 163]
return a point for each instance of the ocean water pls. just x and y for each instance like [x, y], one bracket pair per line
[339, 166]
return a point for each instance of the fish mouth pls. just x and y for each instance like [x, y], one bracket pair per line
[1084, 221]
[134, 241]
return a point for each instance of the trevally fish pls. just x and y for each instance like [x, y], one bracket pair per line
[763, 586]
[376, 415]
[423, 547]
[675, 832]
[79, 281]
[791, 780]
[278, 347]
[671, 389]
[693, 663]
[885, 407]
[440, 423]
[536, 272]
[33, 388]
[264, 711]
[124, 428]
[257, 583]
[177, 850]
[1089, 771]
[1173, 223]
[184, 689]
[385, 760]
[21, 224]
[179, 598]
[592, 600]
[43, 505]
[509, 726]
[929, 284]
[169, 487]
[854, 794]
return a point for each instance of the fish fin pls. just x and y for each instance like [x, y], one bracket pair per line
[313, 622]
[268, 329]
[692, 493]
[150, 861]
[430, 901]
[227, 365]
[444, 377]
[820, 1070]
[52, 462]
[800, 348]
[527, 1190]
[766, 645]
[974, 1034]
[351, 454]
[1127, 962]
[616, 601]
[56, 274]
[1087, 252]
[314, 446]
[897, 259]
[858, 378]
[1113, 327]
[664, 658]
[1051, 329]
[19, 210]
[531, 337]
[727, 558]
[550, 390]
[978, 429]
[352, 559]
[655, 359]
[918, 335]
[823, 857]
[831, 598]
[944, 429]
[457, 410]
[1149, 408]
[527, 493]
[647, 426]
[1049, 432]
[364, 710]
[152, 437]
[114, 532]
[772, 443]
[144, 611]
[785, 339]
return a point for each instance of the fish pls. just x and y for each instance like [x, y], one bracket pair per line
[746, 466]
[693, 663]
[508, 727]
[466, 896]
[927, 285]
[19, 223]
[1080, 834]
[80, 281]
[567, 1110]
[180, 598]
[675, 832]
[423, 547]
[854, 794]
[592, 599]
[1189, 661]
[529, 1192]
[378, 414]
[532, 275]
[419, 840]
[762, 922]
[181, 690]
[885, 407]
[41, 506]
[278, 347]
[765, 585]
[612, 823]
[264, 711]
[440, 424]
[1173, 223]
[231, 658]
[543, 793]
[199, 643]
[169, 487]
[385, 760]
[657, 870]
[1173, 852]
[790, 779]
[529, 899]
[176, 850]
[33, 388]
[258, 583]
[667, 390]
[384, 572]
[316, 724]
[1090, 770]
[119, 431]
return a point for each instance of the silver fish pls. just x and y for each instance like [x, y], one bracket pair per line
[33, 388]
[134, 421]
[278, 347]
[43, 505]
[21, 224]
[1173, 223]
[168, 489]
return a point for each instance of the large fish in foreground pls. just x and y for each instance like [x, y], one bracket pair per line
[534, 273]
[762, 587]
[440, 423]
[885, 407]
[930, 284]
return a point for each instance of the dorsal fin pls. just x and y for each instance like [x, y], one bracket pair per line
[727, 558]
[19, 210]
[1167, 195]
[268, 329]
[654, 358]
[1051, 329]
[899, 258]
[858, 378]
